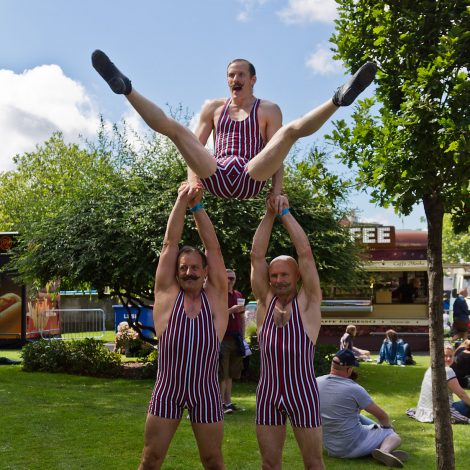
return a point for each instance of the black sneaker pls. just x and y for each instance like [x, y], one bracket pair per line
[117, 81]
[348, 92]
[227, 409]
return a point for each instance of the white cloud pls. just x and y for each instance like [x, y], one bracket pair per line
[322, 63]
[309, 11]
[37, 102]
[248, 7]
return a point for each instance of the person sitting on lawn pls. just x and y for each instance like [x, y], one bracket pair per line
[346, 342]
[460, 410]
[394, 350]
[461, 364]
[346, 433]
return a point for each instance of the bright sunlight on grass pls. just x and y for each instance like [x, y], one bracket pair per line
[57, 421]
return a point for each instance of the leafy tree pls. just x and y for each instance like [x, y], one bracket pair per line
[411, 144]
[455, 246]
[96, 216]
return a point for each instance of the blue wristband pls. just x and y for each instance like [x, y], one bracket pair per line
[196, 208]
[284, 212]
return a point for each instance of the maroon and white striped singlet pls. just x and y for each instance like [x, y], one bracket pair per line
[236, 143]
[287, 385]
[188, 360]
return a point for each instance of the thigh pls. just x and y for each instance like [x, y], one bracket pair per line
[310, 442]
[209, 442]
[271, 442]
[158, 435]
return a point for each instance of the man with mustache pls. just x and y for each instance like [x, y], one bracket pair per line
[250, 143]
[190, 321]
[288, 323]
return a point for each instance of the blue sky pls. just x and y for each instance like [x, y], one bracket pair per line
[175, 52]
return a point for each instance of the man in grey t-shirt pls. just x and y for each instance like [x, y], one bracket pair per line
[347, 434]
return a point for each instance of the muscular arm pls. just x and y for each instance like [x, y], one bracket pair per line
[166, 285]
[216, 286]
[166, 269]
[277, 181]
[259, 248]
[217, 274]
[310, 293]
[259, 266]
[307, 266]
[379, 413]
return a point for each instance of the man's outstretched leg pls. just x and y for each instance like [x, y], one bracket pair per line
[270, 159]
[194, 153]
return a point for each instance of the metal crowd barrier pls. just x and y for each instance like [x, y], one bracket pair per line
[72, 324]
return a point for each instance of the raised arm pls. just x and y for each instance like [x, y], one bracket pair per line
[217, 276]
[307, 266]
[165, 276]
[259, 248]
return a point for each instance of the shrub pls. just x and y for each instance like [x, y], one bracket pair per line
[86, 357]
[128, 342]
[47, 356]
[91, 357]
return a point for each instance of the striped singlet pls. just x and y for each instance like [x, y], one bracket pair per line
[287, 385]
[236, 143]
[188, 360]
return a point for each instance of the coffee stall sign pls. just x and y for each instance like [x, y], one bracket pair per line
[374, 237]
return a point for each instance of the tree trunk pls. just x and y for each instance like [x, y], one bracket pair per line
[434, 210]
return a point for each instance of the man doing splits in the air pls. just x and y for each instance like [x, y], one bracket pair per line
[250, 144]
[288, 323]
[190, 322]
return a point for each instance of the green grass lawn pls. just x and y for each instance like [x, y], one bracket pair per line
[57, 421]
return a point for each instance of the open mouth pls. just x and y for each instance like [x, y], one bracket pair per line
[237, 87]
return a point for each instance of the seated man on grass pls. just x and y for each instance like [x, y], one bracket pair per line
[346, 433]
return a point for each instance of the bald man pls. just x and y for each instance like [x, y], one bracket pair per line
[288, 322]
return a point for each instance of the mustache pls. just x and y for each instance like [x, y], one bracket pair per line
[190, 278]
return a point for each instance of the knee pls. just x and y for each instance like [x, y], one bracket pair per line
[212, 461]
[271, 462]
[151, 459]
[174, 130]
[316, 464]
[290, 132]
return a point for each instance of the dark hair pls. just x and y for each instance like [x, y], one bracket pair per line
[191, 249]
[391, 335]
[251, 67]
